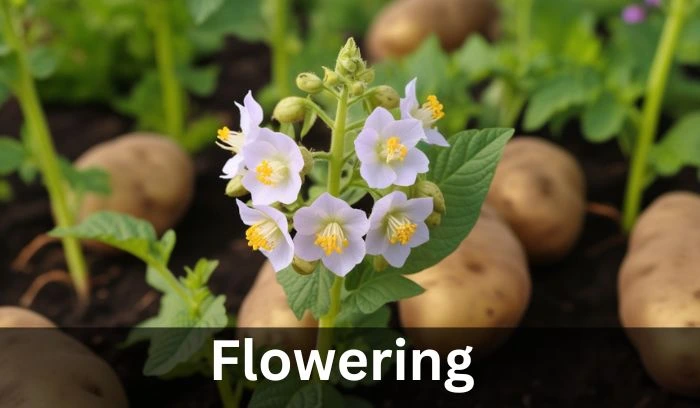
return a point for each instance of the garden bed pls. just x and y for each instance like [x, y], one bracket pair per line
[579, 292]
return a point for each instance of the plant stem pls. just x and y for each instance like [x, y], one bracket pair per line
[171, 89]
[43, 149]
[174, 284]
[280, 54]
[656, 87]
[229, 397]
[523, 24]
[335, 167]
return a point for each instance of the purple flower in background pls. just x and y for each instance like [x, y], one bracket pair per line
[251, 118]
[274, 162]
[653, 3]
[427, 113]
[268, 233]
[634, 14]
[397, 225]
[332, 231]
[387, 150]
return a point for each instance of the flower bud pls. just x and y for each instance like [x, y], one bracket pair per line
[358, 88]
[429, 189]
[290, 110]
[433, 220]
[235, 188]
[386, 97]
[330, 78]
[303, 267]
[308, 161]
[380, 264]
[309, 83]
[366, 76]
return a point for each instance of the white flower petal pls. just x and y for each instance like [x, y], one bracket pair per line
[377, 174]
[421, 236]
[249, 216]
[433, 136]
[306, 249]
[233, 167]
[410, 131]
[410, 101]
[307, 221]
[396, 255]
[379, 119]
[415, 162]
[376, 241]
[418, 209]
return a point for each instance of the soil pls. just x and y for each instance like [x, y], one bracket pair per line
[571, 352]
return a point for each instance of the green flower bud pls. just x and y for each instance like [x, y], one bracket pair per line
[380, 264]
[330, 78]
[358, 88]
[290, 110]
[386, 97]
[366, 76]
[308, 161]
[309, 83]
[428, 189]
[303, 267]
[433, 220]
[235, 188]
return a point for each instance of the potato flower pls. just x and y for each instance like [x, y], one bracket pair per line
[428, 113]
[274, 162]
[387, 150]
[397, 225]
[332, 231]
[251, 118]
[268, 233]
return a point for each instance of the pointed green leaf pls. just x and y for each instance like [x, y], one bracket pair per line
[309, 292]
[309, 119]
[12, 155]
[604, 119]
[201, 10]
[92, 180]
[679, 147]
[43, 62]
[380, 289]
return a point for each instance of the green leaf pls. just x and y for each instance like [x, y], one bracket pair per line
[688, 50]
[310, 292]
[559, 94]
[294, 393]
[121, 231]
[199, 133]
[6, 193]
[316, 395]
[476, 58]
[463, 172]
[42, 62]
[201, 10]
[12, 155]
[380, 289]
[679, 147]
[92, 180]
[604, 119]
[175, 346]
[309, 119]
[200, 81]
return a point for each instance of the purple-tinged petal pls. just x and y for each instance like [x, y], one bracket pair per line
[634, 14]
[433, 136]
[410, 101]
[233, 167]
[376, 241]
[281, 256]
[379, 119]
[355, 222]
[421, 236]
[305, 247]
[249, 216]
[288, 190]
[396, 255]
[410, 131]
[366, 145]
[307, 221]
[416, 162]
[254, 109]
[379, 210]
[377, 175]
[418, 209]
[342, 264]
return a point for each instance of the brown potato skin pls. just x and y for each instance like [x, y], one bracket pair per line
[484, 284]
[539, 188]
[659, 287]
[151, 177]
[402, 25]
[47, 368]
[265, 307]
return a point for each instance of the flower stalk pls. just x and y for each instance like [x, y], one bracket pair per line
[656, 86]
[280, 52]
[43, 149]
[173, 99]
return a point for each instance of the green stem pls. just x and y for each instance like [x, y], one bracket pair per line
[42, 147]
[229, 398]
[523, 22]
[174, 284]
[651, 113]
[335, 167]
[280, 55]
[173, 96]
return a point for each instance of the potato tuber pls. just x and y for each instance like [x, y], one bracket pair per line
[540, 191]
[484, 284]
[659, 290]
[46, 368]
[402, 26]
[151, 178]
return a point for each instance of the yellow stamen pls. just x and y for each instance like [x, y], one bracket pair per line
[332, 239]
[269, 172]
[394, 150]
[434, 105]
[262, 235]
[223, 134]
[400, 229]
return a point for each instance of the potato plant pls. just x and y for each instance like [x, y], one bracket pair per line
[341, 265]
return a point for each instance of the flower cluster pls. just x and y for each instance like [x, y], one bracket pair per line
[271, 167]
[637, 13]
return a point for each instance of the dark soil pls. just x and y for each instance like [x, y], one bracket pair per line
[579, 292]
